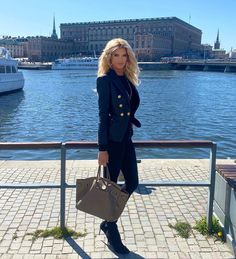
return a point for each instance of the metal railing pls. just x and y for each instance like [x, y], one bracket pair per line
[138, 144]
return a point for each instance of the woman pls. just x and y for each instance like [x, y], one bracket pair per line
[118, 101]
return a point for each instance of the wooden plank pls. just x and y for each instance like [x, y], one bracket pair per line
[232, 174]
[222, 167]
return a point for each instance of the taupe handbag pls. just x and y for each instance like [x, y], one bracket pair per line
[100, 197]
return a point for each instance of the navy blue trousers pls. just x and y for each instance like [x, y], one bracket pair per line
[122, 157]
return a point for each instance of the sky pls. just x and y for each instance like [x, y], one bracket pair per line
[35, 17]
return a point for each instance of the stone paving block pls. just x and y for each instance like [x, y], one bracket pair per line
[24, 250]
[227, 255]
[206, 255]
[17, 256]
[162, 255]
[183, 246]
[15, 245]
[173, 255]
[150, 255]
[68, 250]
[36, 246]
[46, 249]
[152, 248]
[96, 255]
[57, 247]
[194, 248]
[49, 256]
[6, 256]
[183, 255]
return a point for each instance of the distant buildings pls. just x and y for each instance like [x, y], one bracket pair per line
[15, 47]
[208, 52]
[217, 52]
[39, 48]
[54, 33]
[217, 42]
[150, 38]
[48, 49]
[42, 48]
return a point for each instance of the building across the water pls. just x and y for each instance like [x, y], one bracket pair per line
[217, 52]
[15, 47]
[42, 48]
[150, 38]
[39, 48]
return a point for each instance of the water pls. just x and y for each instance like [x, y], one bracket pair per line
[62, 106]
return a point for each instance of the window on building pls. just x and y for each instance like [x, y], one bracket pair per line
[8, 69]
[13, 69]
[2, 69]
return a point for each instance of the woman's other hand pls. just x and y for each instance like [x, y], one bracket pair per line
[103, 158]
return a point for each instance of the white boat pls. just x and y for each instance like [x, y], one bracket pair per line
[232, 54]
[75, 63]
[11, 79]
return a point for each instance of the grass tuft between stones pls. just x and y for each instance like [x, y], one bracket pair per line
[183, 228]
[57, 233]
[217, 230]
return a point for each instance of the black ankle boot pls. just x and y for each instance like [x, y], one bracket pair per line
[103, 227]
[114, 239]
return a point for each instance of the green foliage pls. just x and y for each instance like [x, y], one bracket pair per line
[14, 236]
[57, 233]
[217, 231]
[183, 228]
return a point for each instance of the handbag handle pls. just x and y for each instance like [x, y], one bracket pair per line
[99, 172]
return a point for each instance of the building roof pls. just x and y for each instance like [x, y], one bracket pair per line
[132, 20]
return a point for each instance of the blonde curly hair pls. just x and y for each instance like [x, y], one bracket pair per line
[131, 69]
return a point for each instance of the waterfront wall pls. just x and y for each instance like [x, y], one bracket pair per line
[191, 65]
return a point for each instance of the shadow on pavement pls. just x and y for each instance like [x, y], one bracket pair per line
[131, 255]
[77, 248]
[144, 190]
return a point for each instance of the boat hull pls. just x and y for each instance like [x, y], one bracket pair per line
[58, 67]
[11, 82]
[85, 63]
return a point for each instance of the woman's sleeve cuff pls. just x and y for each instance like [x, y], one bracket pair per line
[103, 147]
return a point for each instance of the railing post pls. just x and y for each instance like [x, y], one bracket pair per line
[63, 186]
[211, 190]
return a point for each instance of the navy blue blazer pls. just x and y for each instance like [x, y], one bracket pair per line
[115, 109]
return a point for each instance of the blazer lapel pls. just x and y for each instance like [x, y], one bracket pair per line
[118, 84]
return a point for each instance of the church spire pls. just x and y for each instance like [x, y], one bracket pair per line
[54, 33]
[217, 42]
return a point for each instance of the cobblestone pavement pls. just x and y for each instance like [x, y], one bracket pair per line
[143, 224]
